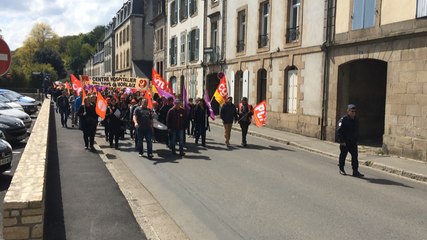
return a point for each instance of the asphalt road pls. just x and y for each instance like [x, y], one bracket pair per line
[273, 191]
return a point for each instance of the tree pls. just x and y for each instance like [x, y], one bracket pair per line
[49, 56]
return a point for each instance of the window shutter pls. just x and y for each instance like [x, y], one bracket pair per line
[421, 8]
[189, 46]
[358, 8]
[170, 52]
[191, 5]
[370, 12]
[176, 50]
[196, 47]
[182, 48]
[186, 8]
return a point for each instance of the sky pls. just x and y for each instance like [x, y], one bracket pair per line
[65, 17]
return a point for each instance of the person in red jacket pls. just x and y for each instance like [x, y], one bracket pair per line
[176, 122]
[245, 118]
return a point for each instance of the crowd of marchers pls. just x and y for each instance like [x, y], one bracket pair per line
[158, 119]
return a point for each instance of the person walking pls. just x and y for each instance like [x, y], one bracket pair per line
[76, 106]
[228, 114]
[190, 119]
[176, 123]
[201, 121]
[63, 105]
[89, 122]
[347, 136]
[163, 112]
[143, 120]
[245, 113]
[113, 116]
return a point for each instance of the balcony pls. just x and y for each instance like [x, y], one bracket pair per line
[262, 41]
[240, 46]
[292, 34]
[212, 55]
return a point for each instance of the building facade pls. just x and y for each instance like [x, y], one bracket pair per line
[377, 60]
[185, 46]
[160, 26]
[274, 53]
[133, 38]
[109, 50]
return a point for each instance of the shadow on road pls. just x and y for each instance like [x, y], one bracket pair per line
[385, 182]
[54, 228]
[5, 180]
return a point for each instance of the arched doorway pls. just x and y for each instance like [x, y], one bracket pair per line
[212, 82]
[363, 82]
[262, 85]
[238, 86]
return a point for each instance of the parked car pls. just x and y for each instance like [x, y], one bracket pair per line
[10, 103]
[13, 128]
[5, 154]
[9, 111]
[29, 107]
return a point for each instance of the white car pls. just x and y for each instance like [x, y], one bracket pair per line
[10, 103]
[12, 112]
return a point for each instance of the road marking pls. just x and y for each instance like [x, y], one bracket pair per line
[16, 152]
[3, 57]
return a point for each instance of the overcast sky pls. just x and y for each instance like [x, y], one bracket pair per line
[66, 17]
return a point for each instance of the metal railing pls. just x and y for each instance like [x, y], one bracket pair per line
[240, 46]
[262, 41]
[292, 34]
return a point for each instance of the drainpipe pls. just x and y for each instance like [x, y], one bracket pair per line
[325, 48]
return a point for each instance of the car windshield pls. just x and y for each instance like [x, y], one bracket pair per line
[4, 106]
[4, 99]
[9, 96]
[14, 94]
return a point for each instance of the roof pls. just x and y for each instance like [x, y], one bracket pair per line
[142, 68]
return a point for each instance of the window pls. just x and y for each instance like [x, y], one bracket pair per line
[292, 34]
[127, 58]
[182, 51]
[173, 51]
[291, 90]
[117, 61]
[127, 33]
[262, 85]
[263, 24]
[120, 40]
[121, 61]
[183, 10]
[193, 7]
[214, 34]
[193, 45]
[159, 39]
[158, 8]
[117, 40]
[241, 30]
[363, 14]
[421, 8]
[173, 13]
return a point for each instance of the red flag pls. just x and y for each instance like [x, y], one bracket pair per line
[159, 82]
[77, 84]
[67, 86]
[101, 106]
[221, 92]
[149, 98]
[260, 114]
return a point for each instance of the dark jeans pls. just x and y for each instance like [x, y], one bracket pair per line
[244, 126]
[201, 132]
[177, 135]
[148, 135]
[89, 138]
[352, 149]
[64, 116]
[114, 135]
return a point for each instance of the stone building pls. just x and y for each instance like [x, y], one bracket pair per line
[274, 53]
[109, 53]
[159, 24]
[378, 61]
[133, 39]
[184, 45]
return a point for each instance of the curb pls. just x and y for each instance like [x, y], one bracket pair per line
[367, 163]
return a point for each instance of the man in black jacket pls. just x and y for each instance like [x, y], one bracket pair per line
[63, 105]
[228, 114]
[347, 136]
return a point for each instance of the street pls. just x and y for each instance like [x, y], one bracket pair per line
[273, 191]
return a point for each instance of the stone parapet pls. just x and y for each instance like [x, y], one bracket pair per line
[23, 208]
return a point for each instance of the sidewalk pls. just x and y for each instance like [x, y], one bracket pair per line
[83, 201]
[368, 156]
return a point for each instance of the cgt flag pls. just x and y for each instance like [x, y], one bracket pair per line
[221, 92]
[159, 82]
[77, 84]
[260, 114]
[101, 106]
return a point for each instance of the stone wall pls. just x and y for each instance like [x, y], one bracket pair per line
[23, 208]
[405, 127]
